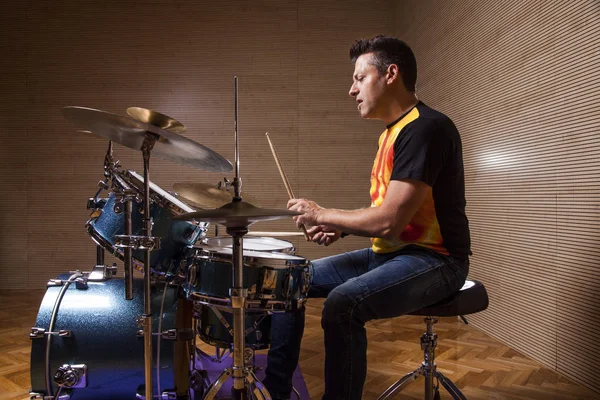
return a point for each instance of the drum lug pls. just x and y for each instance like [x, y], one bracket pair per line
[170, 334]
[288, 285]
[39, 333]
[71, 376]
[306, 283]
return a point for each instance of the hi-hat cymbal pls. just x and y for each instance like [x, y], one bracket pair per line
[157, 119]
[203, 195]
[131, 133]
[237, 214]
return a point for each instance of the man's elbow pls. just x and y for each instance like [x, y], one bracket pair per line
[390, 229]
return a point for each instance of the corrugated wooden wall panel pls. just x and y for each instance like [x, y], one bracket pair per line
[13, 160]
[520, 79]
[178, 58]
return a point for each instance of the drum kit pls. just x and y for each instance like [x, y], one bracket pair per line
[88, 340]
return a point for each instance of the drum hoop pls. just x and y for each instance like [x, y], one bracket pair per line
[158, 196]
[253, 261]
[174, 203]
[266, 239]
[224, 303]
[161, 197]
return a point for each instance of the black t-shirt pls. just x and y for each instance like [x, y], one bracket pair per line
[429, 149]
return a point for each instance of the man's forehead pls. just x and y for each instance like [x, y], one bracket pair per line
[363, 62]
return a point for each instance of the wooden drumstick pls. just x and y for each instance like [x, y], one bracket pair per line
[285, 180]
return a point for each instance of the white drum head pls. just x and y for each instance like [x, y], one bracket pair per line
[252, 243]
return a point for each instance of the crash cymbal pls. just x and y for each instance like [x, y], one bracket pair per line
[237, 214]
[157, 119]
[130, 132]
[203, 195]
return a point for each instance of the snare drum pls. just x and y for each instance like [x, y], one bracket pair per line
[96, 350]
[253, 243]
[275, 281]
[176, 237]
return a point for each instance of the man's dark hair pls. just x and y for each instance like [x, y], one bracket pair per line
[388, 50]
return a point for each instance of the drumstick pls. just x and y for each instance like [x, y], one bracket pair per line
[265, 233]
[285, 181]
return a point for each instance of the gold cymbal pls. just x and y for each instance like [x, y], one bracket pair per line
[237, 214]
[203, 195]
[131, 133]
[157, 119]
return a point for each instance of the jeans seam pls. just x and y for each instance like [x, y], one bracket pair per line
[396, 282]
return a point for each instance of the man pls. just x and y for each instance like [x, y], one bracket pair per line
[417, 222]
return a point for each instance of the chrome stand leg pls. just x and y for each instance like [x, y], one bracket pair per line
[214, 388]
[450, 386]
[398, 385]
[260, 391]
[296, 392]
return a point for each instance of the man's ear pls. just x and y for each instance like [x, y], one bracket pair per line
[392, 74]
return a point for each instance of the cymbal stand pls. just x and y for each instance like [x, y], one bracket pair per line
[244, 379]
[147, 146]
[146, 243]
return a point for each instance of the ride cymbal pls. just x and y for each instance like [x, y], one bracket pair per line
[203, 195]
[131, 133]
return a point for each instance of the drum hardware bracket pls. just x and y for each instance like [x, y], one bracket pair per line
[199, 380]
[238, 297]
[170, 334]
[81, 283]
[95, 204]
[78, 281]
[223, 320]
[137, 242]
[259, 391]
[55, 282]
[101, 273]
[40, 333]
[71, 376]
[166, 395]
[40, 396]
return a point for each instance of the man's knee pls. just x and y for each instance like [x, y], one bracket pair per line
[338, 308]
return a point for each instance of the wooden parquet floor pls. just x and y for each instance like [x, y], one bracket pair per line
[482, 367]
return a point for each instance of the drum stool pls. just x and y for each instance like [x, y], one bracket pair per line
[471, 298]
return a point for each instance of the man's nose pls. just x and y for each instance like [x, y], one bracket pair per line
[353, 92]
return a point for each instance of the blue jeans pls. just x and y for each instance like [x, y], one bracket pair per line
[358, 286]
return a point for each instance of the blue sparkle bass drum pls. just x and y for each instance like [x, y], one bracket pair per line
[87, 344]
